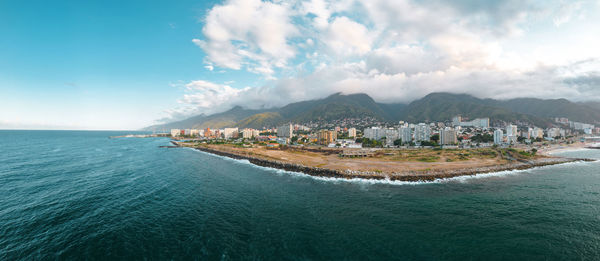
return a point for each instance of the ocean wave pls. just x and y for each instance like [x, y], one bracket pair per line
[457, 179]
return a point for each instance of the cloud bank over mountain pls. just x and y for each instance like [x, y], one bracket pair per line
[395, 51]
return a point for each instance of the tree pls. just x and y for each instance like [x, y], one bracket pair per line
[435, 137]
[398, 142]
[479, 138]
[294, 139]
[428, 143]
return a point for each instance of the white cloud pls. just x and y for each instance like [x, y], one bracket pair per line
[346, 37]
[400, 50]
[248, 33]
[566, 11]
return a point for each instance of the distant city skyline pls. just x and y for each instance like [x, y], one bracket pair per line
[128, 65]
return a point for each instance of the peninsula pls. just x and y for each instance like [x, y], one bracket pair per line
[383, 163]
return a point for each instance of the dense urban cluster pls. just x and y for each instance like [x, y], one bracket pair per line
[455, 133]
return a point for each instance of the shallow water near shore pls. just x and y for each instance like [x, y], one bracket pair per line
[80, 195]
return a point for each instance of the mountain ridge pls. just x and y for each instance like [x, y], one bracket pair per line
[438, 106]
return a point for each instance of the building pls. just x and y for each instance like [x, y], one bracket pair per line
[448, 136]
[326, 137]
[405, 133]
[175, 132]
[511, 134]
[422, 132]
[477, 123]
[498, 136]
[230, 133]
[390, 136]
[207, 133]
[555, 132]
[247, 134]
[536, 133]
[511, 130]
[352, 132]
[285, 131]
[194, 132]
[374, 133]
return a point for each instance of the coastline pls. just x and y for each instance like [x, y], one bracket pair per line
[428, 175]
[562, 148]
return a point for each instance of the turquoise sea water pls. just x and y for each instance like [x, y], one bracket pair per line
[79, 195]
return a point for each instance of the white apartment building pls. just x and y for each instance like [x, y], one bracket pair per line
[247, 133]
[352, 132]
[498, 136]
[229, 133]
[405, 133]
[448, 136]
[175, 132]
[511, 130]
[285, 131]
[374, 133]
[422, 132]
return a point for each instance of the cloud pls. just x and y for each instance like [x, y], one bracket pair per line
[566, 11]
[346, 37]
[396, 51]
[249, 34]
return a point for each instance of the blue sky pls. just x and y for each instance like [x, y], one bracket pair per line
[129, 64]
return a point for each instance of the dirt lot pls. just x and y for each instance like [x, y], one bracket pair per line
[383, 161]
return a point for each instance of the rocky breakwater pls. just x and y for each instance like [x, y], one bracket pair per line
[427, 175]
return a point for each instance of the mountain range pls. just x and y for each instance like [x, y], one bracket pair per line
[433, 107]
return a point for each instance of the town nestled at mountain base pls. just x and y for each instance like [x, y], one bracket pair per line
[353, 137]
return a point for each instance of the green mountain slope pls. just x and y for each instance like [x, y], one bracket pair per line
[550, 108]
[444, 106]
[433, 107]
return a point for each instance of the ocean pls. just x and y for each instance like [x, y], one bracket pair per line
[72, 195]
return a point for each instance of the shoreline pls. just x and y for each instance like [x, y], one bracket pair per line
[429, 175]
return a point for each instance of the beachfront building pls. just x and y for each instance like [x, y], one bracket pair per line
[536, 133]
[194, 132]
[422, 132]
[498, 137]
[326, 137]
[448, 136]
[555, 132]
[285, 131]
[230, 133]
[175, 132]
[352, 132]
